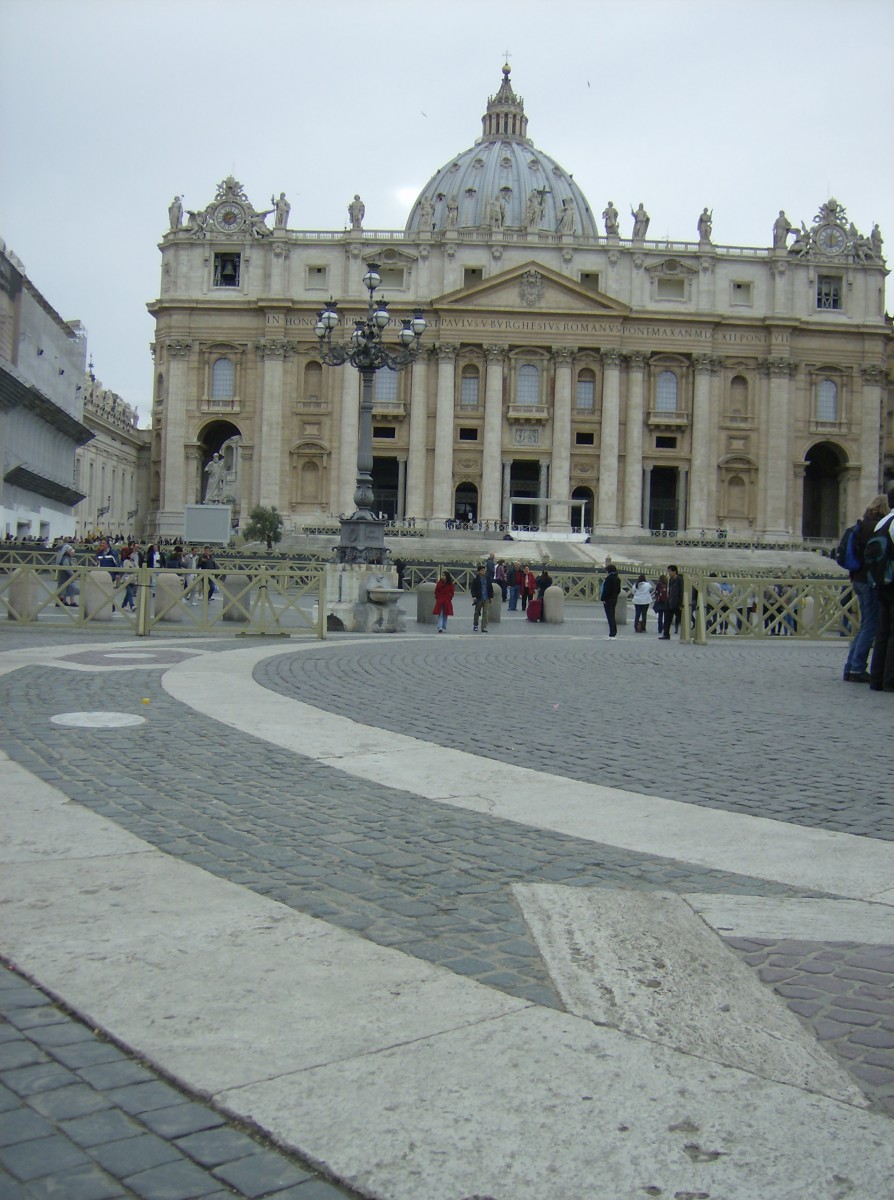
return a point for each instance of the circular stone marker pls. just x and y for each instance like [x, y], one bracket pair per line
[97, 720]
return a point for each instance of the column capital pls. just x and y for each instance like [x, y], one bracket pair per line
[446, 350]
[611, 358]
[178, 348]
[778, 368]
[564, 355]
[636, 360]
[274, 348]
[705, 363]
[872, 373]
[495, 352]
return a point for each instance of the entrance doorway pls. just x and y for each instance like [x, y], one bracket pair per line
[822, 495]
[582, 510]
[465, 505]
[385, 482]
[524, 480]
[663, 499]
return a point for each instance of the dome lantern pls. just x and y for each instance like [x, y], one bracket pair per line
[505, 116]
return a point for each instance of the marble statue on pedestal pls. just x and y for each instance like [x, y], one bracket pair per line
[610, 217]
[356, 211]
[640, 221]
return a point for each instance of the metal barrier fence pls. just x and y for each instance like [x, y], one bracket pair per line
[280, 599]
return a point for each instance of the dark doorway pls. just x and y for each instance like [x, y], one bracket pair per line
[385, 479]
[582, 518]
[524, 480]
[821, 511]
[465, 506]
[663, 500]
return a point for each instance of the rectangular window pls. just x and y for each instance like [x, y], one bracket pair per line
[670, 289]
[384, 431]
[740, 293]
[665, 443]
[385, 386]
[317, 277]
[828, 292]
[586, 395]
[468, 393]
[583, 439]
[472, 275]
[392, 277]
[226, 269]
[468, 435]
[590, 280]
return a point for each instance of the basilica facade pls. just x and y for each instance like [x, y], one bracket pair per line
[573, 376]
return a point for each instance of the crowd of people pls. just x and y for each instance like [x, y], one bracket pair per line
[125, 557]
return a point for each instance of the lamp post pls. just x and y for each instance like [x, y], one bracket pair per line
[363, 533]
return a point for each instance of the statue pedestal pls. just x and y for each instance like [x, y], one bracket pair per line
[363, 599]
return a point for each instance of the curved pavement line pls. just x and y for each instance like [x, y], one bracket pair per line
[221, 687]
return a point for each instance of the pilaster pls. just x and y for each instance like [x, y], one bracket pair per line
[560, 467]
[606, 519]
[493, 434]
[442, 501]
[633, 444]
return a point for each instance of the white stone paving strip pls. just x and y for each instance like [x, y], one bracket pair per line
[403, 1079]
[645, 963]
[783, 918]
[814, 859]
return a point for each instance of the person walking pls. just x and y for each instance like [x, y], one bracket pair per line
[482, 593]
[642, 598]
[528, 585]
[674, 614]
[444, 592]
[611, 590]
[513, 580]
[660, 603]
[856, 665]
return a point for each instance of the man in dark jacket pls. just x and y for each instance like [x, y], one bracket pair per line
[674, 601]
[611, 590]
[482, 593]
[856, 667]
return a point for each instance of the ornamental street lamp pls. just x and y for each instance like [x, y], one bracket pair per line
[363, 533]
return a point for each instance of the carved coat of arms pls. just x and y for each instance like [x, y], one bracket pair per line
[530, 288]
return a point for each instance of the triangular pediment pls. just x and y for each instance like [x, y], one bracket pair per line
[530, 288]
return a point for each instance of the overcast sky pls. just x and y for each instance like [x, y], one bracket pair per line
[110, 107]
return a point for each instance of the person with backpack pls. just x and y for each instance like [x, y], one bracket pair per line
[878, 555]
[850, 556]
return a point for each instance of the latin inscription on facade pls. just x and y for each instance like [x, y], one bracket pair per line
[554, 326]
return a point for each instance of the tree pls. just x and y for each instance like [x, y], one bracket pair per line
[264, 524]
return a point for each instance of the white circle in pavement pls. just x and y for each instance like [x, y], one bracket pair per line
[97, 720]
[126, 654]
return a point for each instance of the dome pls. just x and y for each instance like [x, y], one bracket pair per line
[503, 181]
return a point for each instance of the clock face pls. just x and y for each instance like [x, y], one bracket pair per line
[831, 239]
[229, 217]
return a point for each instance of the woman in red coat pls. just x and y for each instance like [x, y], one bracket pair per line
[528, 585]
[444, 590]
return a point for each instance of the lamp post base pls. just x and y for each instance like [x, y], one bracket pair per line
[362, 539]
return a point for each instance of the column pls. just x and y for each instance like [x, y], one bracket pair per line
[606, 517]
[871, 425]
[401, 488]
[646, 496]
[700, 442]
[633, 446]
[776, 469]
[173, 485]
[415, 502]
[442, 502]
[559, 518]
[507, 481]
[349, 438]
[246, 480]
[491, 483]
[542, 492]
[274, 353]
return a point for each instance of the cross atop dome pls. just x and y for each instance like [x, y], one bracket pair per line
[505, 117]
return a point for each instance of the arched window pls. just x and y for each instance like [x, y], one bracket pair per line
[666, 392]
[313, 381]
[527, 390]
[385, 386]
[223, 379]
[586, 391]
[469, 384]
[827, 400]
[738, 396]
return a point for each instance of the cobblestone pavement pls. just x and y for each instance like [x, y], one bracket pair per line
[765, 730]
[82, 1120]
